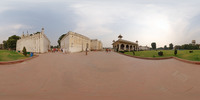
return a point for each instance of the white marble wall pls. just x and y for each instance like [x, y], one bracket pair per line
[38, 43]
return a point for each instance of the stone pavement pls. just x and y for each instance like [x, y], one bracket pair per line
[99, 76]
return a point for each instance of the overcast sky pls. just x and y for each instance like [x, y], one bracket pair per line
[160, 21]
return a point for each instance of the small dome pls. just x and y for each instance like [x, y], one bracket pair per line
[120, 36]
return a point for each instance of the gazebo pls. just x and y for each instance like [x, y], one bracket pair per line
[124, 45]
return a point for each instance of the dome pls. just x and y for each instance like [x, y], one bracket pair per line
[120, 36]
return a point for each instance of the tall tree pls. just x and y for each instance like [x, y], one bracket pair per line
[12, 41]
[60, 38]
[153, 45]
[171, 46]
[5, 45]
[165, 47]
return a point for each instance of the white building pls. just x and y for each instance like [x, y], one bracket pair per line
[123, 45]
[96, 45]
[144, 48]
[74, 42]
[37, 42]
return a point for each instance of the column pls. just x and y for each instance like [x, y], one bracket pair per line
[129, 49]
[132, 47]
[124, 46]
[119, 47]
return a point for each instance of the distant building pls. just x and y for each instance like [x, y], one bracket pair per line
[37, 42]
[193, 42]
[144, 48]
[123, 45]
[96, 45]
[74, 42]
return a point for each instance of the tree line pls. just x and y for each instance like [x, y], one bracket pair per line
[171, 46]
[11, 42]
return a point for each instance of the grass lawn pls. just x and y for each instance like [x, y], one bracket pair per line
[6, 55]
[183, 54]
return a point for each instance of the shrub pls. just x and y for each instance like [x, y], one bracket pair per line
[121, 51]
[175, 52]
[126, 51]
[160, 53]
[24, 51]
[133, 52]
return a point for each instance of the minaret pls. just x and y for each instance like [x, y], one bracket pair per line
[42, 32]
[22, 35]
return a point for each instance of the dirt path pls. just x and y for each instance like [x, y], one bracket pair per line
[99, 76]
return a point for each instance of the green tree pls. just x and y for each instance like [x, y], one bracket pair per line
[12, 41]
[24, 51]
[153, 45]
[60, 38]
[5, 44]
[165, 47]
[171, 46]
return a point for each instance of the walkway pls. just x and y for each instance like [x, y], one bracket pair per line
[99, 76]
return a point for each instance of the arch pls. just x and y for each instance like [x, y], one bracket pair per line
[122, 46]
[131, 47]
[127, 47]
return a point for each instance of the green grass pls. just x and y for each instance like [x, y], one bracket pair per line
[183, 54]
[6, 55]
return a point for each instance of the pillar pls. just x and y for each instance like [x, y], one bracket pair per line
[119, 47]
[129, 49]
[124, 46]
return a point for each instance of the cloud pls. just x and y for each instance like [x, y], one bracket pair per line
[9, 30]
[163, 22]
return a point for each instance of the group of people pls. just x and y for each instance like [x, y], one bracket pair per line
[108, 50]
[54, 50]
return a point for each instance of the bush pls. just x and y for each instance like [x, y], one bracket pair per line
[121, 51]
[160, 53]
[24, 51]
[126, 51]
[175, 52]
[190, 51]
[133, 52]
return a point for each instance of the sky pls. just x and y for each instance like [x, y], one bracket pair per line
[145, 21]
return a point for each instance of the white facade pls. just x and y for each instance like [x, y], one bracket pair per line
[37, 42]
[144, 48]
[96, 45]
[74, 42]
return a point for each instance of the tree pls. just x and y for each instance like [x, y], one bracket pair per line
[24, 51]
[60, 38]
[5, 45]
[165, 47]
[171, 46]
[153, 45]
[12, 41]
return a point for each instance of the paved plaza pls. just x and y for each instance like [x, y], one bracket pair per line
[99, 76]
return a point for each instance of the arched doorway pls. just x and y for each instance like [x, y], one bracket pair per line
[122, 46]
[127, 47]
